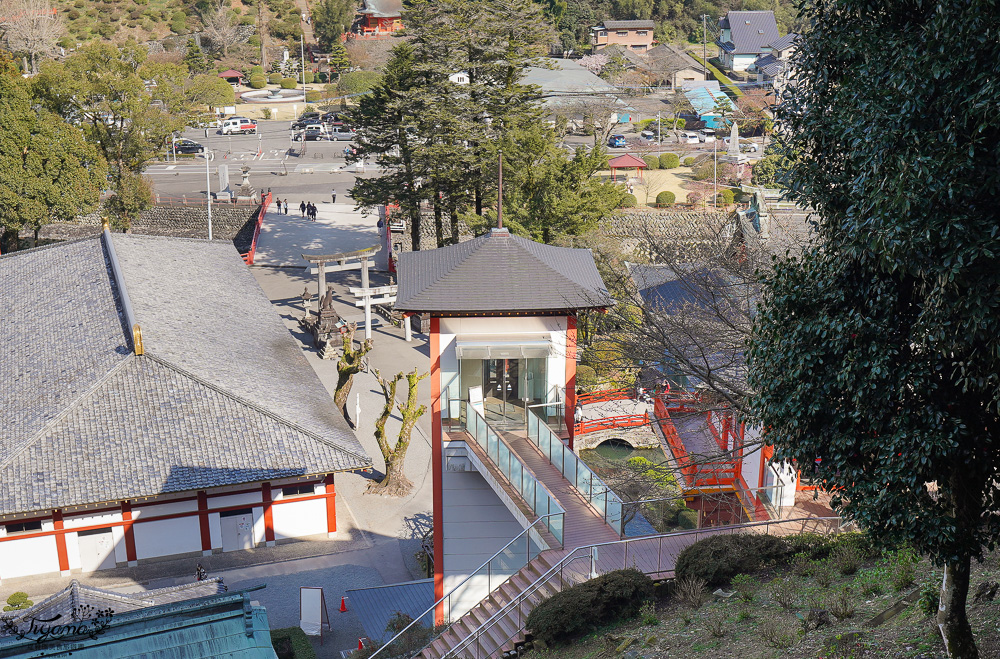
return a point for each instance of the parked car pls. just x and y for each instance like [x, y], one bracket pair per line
[342, 133]
[706, 135]
[689, 138]
[310, 134]
[305, 119]
[238, 125]
[333, 119]
[746, 146]
[187, 146]
[648, 135]
[617, 142]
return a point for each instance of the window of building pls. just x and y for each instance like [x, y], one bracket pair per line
[642, 33]
[23, 527]
[622, 33]
[298, 490]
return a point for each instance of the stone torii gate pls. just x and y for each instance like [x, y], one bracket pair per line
[361, 259]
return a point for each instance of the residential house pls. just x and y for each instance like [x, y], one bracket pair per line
[380, 17]
[570, 90]
[670, 65]
[745, 36]
[772, 66]
[634, 35]
[148, 420]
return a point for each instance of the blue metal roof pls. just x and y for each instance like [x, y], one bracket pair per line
[706, 97]
[375, 606]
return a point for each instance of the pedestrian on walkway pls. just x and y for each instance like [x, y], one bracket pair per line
[286, 207]
[278, 202]
[302, 208]
[333, 195]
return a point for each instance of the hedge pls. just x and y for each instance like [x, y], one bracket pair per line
[292, 643]
[726, 196]
[288, 83]
[629, 201]
[669, 161]
[689, 161]
[687, 518]
[719, 558]
[665, 198]
[258, 82]
[579, 609]
[256, 71]
[720, 76]
[652, 162]
[274, 78]
[314, 96]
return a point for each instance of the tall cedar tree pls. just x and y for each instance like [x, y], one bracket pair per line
[330, 19]
[48, 171]
[877, 353]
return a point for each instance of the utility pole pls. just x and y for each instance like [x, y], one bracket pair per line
[208, 195]
[500, 190]
[302, 50]
[659, 149]
[704, 43]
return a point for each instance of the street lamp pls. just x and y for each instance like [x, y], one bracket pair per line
[208, 193]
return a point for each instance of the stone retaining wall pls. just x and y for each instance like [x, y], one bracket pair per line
[636, 437]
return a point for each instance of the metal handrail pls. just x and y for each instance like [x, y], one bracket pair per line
[573, 555]
[463, 582]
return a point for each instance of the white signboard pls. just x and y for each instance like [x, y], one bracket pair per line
[312, 610]
[476, 398]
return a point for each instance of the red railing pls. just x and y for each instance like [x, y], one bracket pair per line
[605, 396]
[696, 475]
[624, 421]
[248, 257]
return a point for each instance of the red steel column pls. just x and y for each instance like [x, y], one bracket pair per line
[570, 375]
[331, 505]
[206, 530]
[61, 552]
[437, 457]
[130, 554]
[268, 514]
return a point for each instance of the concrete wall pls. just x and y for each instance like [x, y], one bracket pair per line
[637, 437]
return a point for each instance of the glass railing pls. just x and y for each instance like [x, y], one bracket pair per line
[607, 503]
[532, 491]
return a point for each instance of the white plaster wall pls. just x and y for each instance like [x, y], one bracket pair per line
[247, 499]
[91, 520]
[73, 551]
[300, 518]
[118, 537]
[752, 464]
[164, 509]
[168, 536]
[21, 558]
[215, 530]
[258, 525]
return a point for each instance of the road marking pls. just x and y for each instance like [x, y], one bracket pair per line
[172, 167]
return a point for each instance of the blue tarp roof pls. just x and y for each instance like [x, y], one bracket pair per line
[705, 97]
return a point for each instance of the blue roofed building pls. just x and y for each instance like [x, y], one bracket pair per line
[744, 36]
[707, 100]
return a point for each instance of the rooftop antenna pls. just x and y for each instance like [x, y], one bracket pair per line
[500, 190]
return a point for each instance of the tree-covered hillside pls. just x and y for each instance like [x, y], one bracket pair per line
[676, 20]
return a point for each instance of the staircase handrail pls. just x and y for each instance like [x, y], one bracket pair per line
[463, 582]
[573, 555]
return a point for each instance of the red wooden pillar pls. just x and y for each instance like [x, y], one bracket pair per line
[130, 554]
[570, 376]
[331, 505]
[268, 514]
[206, 530]
[61, 552]
[437, 458]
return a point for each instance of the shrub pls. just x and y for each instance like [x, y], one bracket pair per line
[777, 634]
[687, 519]
[846, 558]
[629, 201]
[256, 70]
[903, 568]
[725, 196]
[785, 592]
[871, 581]
[822, 571]
[647, 613]
[73, 14]
[669, 161]
[292, 642]
[652, 162]
[746, 587]
[665, 198]
[18, 601]
[274, 78]
[266, 113]
[841, 606]
[694, 197]
[813, 545]
[580, 608]
[314, 96]
[801, 564]
[690, 592]
[719, 558]
[253, 41]
[288, 83]
[716, 627]
[586, 376]
[309, 77]
[257, 82]
[930, 595]
[689, 161]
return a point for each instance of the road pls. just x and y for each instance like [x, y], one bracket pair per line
[304, 171]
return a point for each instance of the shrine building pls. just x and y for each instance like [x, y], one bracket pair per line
[503, 314]
[156, 406]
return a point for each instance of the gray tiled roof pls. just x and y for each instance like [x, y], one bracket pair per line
[76, 595]
[769, 65]
[669, 58]
[625, 25]
[499, 272]
[376, 606]
[750, 31]
[784, 42]
[382, 8]
[222, 395]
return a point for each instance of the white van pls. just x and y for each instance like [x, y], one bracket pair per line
[238, 125]
[689, 138]
[706, 135]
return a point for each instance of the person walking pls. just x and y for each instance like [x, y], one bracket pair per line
[302, 208]
[333, 195]
[286, 207]
[278, 202]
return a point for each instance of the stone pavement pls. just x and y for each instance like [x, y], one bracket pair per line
[338, 228]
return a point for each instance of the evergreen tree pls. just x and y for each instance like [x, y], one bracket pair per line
[339, 61]
[194, 59]
[331, 18]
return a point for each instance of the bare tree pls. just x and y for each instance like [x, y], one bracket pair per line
[220, 27]
[352, 361]
[32, 27]
[395, 482]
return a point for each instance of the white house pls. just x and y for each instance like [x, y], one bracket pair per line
[744, 36]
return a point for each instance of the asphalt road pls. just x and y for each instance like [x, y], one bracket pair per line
[302, 170]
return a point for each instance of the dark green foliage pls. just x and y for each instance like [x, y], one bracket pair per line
[669, 161]
[274, 78]
[356, 82]
[256, 70]
[628, 201]
[338, 59]
[331, 18]
[258, 82]
[726, 196]
[652, 162]
[665, 198]
[288, 83]
[878, 349]
[581, 608]
[719, 558]
[292, 643]
[689, 161]
[686, 518]
[18, 602]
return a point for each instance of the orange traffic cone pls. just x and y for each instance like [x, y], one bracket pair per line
[343, 604]
[361, 646]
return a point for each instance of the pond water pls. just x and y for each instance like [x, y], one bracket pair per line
[613, 453]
